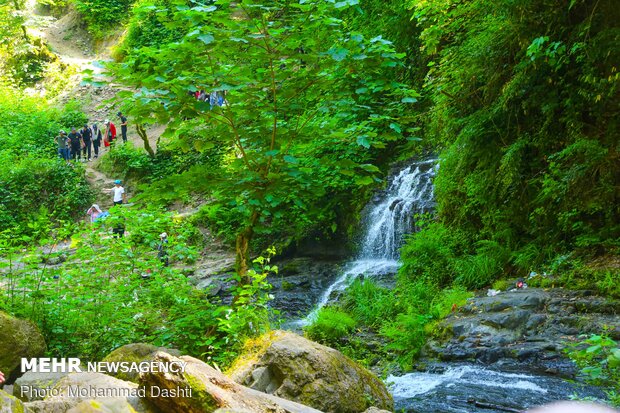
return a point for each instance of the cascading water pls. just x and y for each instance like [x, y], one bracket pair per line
[387, 220]
[463, 388]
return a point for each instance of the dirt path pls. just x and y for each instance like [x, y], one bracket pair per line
[73, 45]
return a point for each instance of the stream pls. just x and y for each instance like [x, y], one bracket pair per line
[442, 388]
[461, 388]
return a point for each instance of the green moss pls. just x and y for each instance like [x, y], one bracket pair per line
[9, 403]
[201, 398]
[501, 285]
[22, 337]
[287, 286]
[439, 330]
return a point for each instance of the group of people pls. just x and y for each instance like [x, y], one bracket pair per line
[79, 144]
[215, 98]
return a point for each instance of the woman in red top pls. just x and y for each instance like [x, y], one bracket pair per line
[110, 132]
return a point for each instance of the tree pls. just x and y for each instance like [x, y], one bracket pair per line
[293, 81]
[525, 97]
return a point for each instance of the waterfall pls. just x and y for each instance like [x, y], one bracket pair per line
[410, 192]
[386, 220]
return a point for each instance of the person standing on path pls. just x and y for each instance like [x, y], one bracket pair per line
[76, 144]
[118, 193]
[63, 145]
[123, 126]
[96, 139]
[162, 249]
[87, 136]
[110, 132]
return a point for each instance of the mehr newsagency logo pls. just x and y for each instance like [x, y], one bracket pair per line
[74, 365]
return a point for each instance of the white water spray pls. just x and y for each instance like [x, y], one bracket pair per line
[386, 222]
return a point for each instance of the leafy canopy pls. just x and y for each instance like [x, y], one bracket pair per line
[306, 100]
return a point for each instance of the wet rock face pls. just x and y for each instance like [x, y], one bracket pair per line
[294, 368]
[299, 284]
[529, 327]
[471, 387]
[296, 288]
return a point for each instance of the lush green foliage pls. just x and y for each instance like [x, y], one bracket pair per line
[149, 27]
[604, 279]
[370, 304]
[431, 255]
[423, 305]
[290, 73]
[524, 96]
[404, 317]
[104, 16]
[330, 326]
[38, 190]
[126, 295]
[598, 357]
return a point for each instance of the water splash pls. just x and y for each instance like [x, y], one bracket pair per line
[386, 222]
[452, 387]
[414, 384]
[409, 193]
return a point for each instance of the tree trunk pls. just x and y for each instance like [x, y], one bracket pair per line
[242, 248]
[145, 139]
[18, 9]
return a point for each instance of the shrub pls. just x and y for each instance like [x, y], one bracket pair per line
[126, 295]
[330, 326]
[477, 271]
[72, 116]
[127, 162]
[102, 16]
[147, 27]
[407, 335]
[424, 305]
[501, 285]
[430, 253]
[447, 301]
[370, 304]
[598, 357]
[34, 181]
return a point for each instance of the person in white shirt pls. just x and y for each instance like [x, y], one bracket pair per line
[119, 197]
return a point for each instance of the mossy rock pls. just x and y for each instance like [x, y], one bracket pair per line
[295, 368]
[32, 386]
[10, 404]
[135, 353]
[18, 338]
[205, 390]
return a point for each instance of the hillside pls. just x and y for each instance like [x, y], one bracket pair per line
[430, 188]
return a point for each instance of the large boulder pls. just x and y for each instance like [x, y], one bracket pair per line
[524, 328]
[18, 338]
[34, 386]
[135, 353]
[202, 389]
[103, 406]
[10, 404]
[75, 388]
[292, 367]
